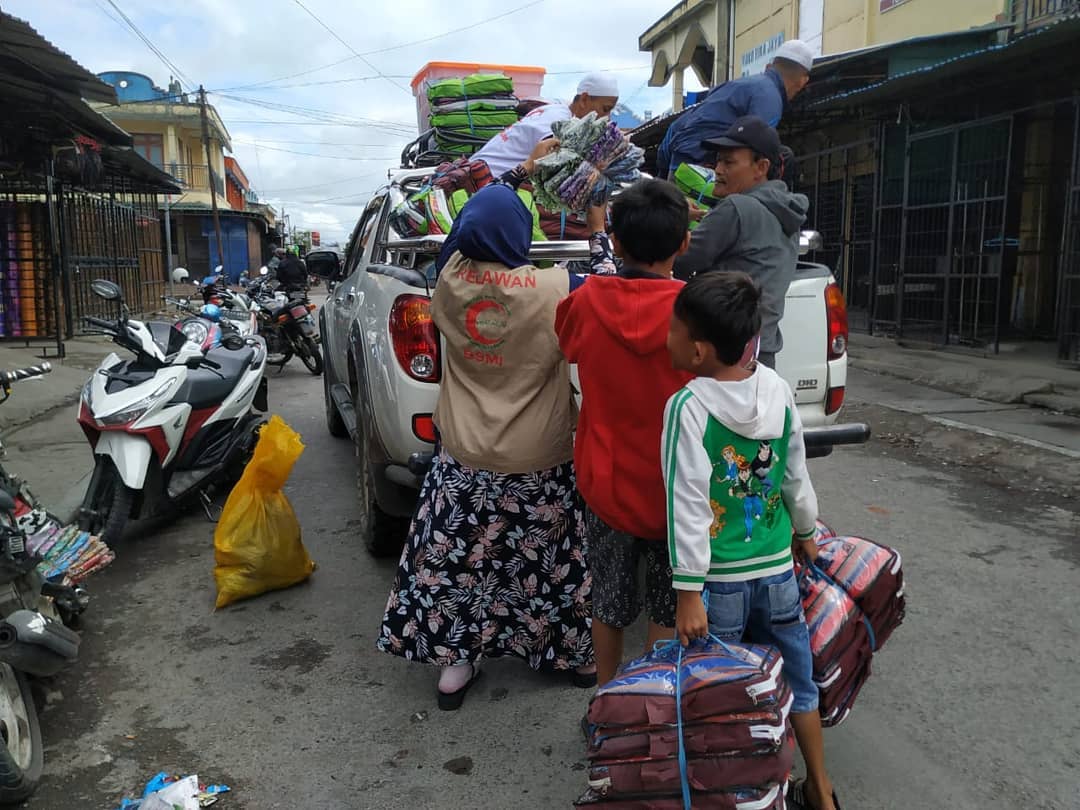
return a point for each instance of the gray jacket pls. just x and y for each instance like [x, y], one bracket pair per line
[756, 233]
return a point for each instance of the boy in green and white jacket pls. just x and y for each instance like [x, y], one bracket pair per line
[737, 490]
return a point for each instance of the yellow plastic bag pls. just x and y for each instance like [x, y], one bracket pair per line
[257, 545]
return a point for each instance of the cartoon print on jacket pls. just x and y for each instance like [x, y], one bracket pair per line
[762, 465]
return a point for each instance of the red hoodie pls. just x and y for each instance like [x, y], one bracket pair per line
[615, 328]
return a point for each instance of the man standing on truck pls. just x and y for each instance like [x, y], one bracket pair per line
[765, 95]
[597, 92]
[755, 226]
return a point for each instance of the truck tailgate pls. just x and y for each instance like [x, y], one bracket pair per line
[803, 362]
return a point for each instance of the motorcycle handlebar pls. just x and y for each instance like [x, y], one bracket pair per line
[100, 323]
[16, 374]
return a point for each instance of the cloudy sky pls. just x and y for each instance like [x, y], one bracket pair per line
[314, 127]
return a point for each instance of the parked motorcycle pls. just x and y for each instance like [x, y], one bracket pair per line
[286, 323]
[177, 420]
[34, 638]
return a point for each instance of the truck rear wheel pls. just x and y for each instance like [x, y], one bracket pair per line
[383, 534]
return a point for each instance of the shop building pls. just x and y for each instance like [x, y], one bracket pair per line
[943, 173]
[166, 127]
[77, 202]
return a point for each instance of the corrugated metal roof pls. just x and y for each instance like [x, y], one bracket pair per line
[830, 68]
[1062, 28]
[23, 51]
[139, 170]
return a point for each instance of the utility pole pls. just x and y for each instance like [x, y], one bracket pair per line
[210, 173]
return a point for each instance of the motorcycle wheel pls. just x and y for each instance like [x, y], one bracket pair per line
[308, 351]
[22, 757]
[110, 505]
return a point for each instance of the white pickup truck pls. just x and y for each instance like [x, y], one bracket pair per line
[382, 356]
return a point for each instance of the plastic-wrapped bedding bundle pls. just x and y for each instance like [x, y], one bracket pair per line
[593, 158]
[841, 644]
[468, 112]
[872, 575]
[476, 86]
[696, 182]
[853, 598]
[771, 798]
[704, 726]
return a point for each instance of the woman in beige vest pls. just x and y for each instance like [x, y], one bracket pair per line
[494, 563]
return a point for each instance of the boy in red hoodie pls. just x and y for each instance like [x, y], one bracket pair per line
[615, 329]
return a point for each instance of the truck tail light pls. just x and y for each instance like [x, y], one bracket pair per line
[423, 427]
[415, 339]
[834, 400]
[836, 310]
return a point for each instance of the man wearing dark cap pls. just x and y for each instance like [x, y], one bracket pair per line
[755, 226]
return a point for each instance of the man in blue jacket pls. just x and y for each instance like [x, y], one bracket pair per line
[765, 95]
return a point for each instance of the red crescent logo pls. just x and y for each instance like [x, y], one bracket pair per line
[473, 324]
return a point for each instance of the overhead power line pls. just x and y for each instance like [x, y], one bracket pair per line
[150, 44]
[290, 123]
[319, 185]
[308, 72]
[262, 141]
[352, 79]
[468, 27]
[326, 116]
[362, 198]
[355, 53]
[313, 154]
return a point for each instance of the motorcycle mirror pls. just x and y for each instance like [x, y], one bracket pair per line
[263, 271]
[108, 290]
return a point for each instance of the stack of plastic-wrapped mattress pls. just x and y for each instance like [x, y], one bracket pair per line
[853, 597]
[696, 183]
[466, 113]
[704, 726]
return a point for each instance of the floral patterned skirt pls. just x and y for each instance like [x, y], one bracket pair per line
[493, 565]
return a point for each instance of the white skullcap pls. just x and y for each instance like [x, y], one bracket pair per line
[599, 85]
[797, 51]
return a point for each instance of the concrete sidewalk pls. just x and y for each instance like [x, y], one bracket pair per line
[1029, 375]
[30, 399]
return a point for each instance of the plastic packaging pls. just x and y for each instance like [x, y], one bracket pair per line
[257, 545]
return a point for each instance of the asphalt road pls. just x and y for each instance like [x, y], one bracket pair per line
[973, 703]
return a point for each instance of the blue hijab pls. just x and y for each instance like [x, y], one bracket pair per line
[494, 226]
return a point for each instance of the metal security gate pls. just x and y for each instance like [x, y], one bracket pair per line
[841, 184]
[1069, 280]
[948, 284]
[116, 236]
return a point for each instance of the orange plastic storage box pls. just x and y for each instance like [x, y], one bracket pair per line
[527, 81]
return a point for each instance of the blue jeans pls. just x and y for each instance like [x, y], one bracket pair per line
[768, 611]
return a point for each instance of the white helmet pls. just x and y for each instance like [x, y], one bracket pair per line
[179, 275]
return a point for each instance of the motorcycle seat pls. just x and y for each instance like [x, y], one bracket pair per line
[208, 387]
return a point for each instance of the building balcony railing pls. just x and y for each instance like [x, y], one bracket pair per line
[1033, 13]
[196, 177]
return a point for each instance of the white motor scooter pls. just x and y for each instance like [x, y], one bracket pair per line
[174, 421]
